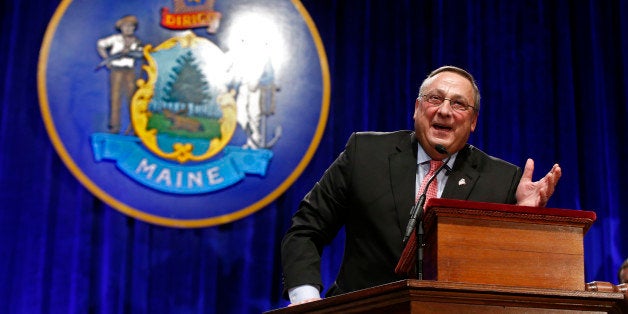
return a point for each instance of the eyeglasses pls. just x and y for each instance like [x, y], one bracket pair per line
[456, 105]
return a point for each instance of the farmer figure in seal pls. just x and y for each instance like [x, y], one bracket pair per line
[119, 52]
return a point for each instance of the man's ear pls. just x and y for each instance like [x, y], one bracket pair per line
[416, 107]
[474, 122]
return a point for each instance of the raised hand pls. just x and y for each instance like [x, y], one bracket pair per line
[537, 193]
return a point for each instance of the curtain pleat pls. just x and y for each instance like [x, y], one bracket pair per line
[552, 75]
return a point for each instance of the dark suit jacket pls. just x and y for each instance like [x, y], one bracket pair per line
[369, 189]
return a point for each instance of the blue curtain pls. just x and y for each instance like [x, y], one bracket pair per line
[553, 81]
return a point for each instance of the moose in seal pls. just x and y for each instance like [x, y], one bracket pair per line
[182, 122]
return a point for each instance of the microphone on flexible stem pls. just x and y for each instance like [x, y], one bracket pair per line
[416, 213]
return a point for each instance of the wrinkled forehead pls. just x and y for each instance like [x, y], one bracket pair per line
[449, 82]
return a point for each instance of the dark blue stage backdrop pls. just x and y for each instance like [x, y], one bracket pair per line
[554, 87]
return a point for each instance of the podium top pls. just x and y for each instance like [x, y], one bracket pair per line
[427, 296]
[442, 206]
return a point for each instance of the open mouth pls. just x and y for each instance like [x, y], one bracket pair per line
[441, 127]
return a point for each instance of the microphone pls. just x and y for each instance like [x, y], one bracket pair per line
[416, 213]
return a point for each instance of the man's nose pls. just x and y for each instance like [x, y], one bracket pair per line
[445, 108]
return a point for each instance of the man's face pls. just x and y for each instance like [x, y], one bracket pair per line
[441, 124]
[624, 275]
[127, 28]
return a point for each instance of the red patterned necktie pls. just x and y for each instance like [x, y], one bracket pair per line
[408, 256]
[432, 191]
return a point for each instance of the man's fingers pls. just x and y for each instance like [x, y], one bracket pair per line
[551, 180]
[558, 172]
[528, 170]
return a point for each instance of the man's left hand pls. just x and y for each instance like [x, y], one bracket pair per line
[536, 193]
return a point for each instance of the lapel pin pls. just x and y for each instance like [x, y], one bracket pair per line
[462, 182]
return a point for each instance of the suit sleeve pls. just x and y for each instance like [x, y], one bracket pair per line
[318, 219]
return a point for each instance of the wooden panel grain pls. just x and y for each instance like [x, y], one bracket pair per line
[510, 236]
[505, 253]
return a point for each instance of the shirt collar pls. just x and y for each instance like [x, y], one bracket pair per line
[423, 157]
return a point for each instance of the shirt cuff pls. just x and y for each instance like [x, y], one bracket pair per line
[303, 292]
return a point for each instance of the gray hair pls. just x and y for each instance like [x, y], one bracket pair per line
[467, 75]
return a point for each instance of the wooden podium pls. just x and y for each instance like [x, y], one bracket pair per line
[488, 243]
[427, 296]
[489, 258]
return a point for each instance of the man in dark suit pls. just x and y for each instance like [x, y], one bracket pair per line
[371, 186]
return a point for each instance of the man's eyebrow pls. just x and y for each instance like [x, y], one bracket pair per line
[455, 96]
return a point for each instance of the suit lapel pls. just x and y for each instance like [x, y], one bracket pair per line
[461, 180]
[402, 165]
[463, 176]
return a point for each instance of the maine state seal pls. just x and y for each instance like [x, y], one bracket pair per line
[184, 113]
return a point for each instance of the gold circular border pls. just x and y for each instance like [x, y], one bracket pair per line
[180, 223]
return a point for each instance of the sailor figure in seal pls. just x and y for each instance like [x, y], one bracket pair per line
[256, 103]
